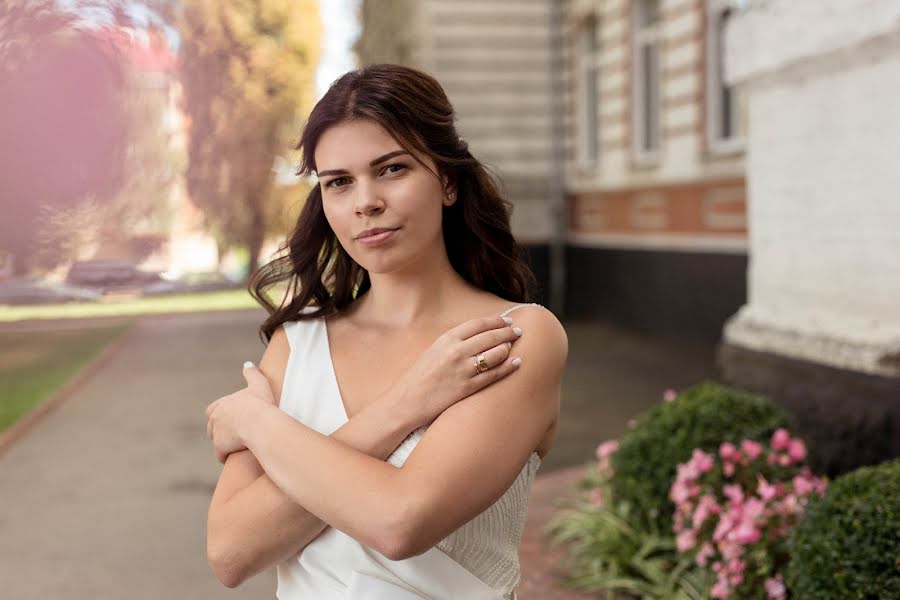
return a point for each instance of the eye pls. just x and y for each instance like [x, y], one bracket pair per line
[337, 182]
[394, 168]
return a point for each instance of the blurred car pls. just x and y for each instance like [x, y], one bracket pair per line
[191, 282]
[109, 274]
[35, 291]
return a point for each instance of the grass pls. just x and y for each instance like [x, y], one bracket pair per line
[34, 364]
[176, 303]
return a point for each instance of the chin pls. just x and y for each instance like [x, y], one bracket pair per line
[388, 262]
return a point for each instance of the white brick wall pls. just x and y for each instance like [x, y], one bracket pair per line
[823, 171]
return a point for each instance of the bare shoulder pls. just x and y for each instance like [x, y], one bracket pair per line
[273, 363]
[547, 337]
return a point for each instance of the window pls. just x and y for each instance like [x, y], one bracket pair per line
[646, 80]
[726, 107]
[588, 86]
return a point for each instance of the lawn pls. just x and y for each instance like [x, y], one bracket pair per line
[195, 302]
[34, 364]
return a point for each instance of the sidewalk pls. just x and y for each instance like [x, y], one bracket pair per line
[107, 496]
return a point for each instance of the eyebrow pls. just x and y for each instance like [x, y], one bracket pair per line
[378, 160]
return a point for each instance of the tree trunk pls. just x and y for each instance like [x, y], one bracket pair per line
[255, 234]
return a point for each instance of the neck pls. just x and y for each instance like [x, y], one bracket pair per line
[423, 292]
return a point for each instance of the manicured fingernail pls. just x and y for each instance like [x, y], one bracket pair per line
[248, 365]
[517, 330]
[516, 361]
[507, 320]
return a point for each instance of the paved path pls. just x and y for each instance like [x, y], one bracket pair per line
[107, 497]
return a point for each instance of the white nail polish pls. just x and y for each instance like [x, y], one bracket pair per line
[507, 320]
[248, 365]
[516, 361]
[517, 330]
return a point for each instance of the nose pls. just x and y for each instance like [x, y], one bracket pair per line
[368, 199]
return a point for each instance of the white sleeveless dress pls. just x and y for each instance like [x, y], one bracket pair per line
[478, 561]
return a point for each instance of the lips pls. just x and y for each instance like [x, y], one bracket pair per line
[369, 232]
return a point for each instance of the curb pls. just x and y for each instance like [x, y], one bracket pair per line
[33, 417]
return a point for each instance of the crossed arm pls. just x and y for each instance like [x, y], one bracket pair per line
[252, 524]
[465, 462]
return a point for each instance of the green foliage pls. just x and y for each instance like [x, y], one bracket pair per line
[848, 544]
[247, 69]
[702, 417]
[606, 552]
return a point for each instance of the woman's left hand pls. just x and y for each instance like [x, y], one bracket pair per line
[225, 415]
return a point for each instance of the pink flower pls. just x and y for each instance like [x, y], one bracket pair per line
[606, 449]
[784, 460]
[766, 490]
[706, 506]
[791, 505]
[702, 461]
[751, 449]
[775, 589]
[704, 554]
[669, 395]
[746, 533]
[686, 540]
[682, 491]
[727, 450]
[797, 449]
[780, 439]
[597, 497]
[804, 483]
[720, 590]
[734, 493]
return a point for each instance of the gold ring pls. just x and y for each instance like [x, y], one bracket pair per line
[480, 364]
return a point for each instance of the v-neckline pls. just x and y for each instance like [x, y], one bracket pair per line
[334, 379]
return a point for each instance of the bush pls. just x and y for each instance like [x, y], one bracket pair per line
[701, 417]
[734, 511]
[848, 544]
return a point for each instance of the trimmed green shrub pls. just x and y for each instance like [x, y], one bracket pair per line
[704, 417]
[848, 544]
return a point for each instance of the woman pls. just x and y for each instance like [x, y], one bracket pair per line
[393, 343]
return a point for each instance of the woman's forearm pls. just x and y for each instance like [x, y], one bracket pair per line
[371, 485]
[260, 525]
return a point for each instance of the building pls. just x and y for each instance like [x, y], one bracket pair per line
[615, 135]
[654, 175]
[494, 61]
[645, 108]
[820, 329]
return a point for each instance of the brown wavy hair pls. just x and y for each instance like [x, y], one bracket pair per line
[413, 108]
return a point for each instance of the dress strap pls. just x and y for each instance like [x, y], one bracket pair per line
[512, 308]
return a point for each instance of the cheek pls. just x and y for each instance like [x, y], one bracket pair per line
[335, 220]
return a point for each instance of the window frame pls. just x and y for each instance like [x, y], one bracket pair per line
[587, 75]
[713, 83]
[642, 36]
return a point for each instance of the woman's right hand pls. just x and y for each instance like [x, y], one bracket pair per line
[446, 372]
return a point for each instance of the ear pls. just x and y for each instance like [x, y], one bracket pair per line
[449, 198]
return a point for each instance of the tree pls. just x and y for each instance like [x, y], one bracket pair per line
[61, 127]
[247, 69]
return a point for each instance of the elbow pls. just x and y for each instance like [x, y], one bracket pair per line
[399, 549]
[402, 536]
[226, 571]
[225, 564]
